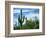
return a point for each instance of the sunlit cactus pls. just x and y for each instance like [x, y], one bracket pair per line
[21, 18]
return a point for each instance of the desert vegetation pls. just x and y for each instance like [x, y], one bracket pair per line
[29, 24]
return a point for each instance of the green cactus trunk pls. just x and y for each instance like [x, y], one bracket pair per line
[21, 18]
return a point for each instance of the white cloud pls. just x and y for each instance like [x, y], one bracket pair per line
[16, 11]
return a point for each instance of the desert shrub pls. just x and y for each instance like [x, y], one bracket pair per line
[30, 24]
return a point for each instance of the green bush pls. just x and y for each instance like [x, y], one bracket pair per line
[30, 24]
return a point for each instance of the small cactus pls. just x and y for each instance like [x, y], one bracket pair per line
[26, 20]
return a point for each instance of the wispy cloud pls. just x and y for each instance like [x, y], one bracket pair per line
[28, 10]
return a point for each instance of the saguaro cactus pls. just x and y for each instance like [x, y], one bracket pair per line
[21, 18]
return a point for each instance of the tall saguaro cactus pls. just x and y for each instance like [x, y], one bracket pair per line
[21, 18]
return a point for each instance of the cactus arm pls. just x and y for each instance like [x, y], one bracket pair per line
[23, 19]
[18, 18]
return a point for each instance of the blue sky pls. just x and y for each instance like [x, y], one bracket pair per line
[27, 12]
